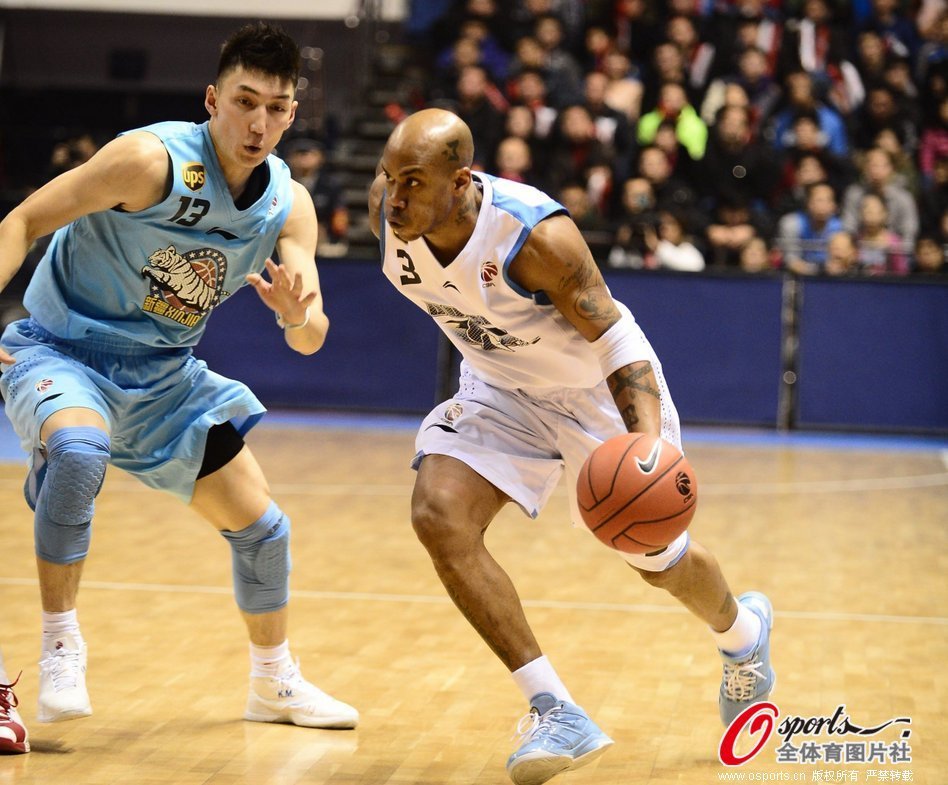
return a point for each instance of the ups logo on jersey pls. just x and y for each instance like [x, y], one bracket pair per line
[193, 175]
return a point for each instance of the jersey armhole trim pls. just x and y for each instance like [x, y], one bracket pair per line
[540, 297]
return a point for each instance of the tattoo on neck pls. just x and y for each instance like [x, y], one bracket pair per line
[464, 210]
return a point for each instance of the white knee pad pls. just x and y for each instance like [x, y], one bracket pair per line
[660, 561]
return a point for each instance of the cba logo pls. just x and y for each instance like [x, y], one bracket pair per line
[454, 411]
[488, 273]
[193, 175]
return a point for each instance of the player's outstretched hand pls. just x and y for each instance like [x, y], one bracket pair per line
[283, 293]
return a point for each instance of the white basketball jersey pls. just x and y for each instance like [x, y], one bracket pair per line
[510, 337]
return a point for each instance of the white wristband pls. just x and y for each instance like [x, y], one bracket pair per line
[285, 326]
[618, 346]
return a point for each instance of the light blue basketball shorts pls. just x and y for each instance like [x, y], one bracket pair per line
[524, 441]
[158, 403]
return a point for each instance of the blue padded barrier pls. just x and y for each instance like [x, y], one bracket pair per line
[873, 354]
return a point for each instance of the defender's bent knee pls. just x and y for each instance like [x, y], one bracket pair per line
[76, 460]
[261, 562]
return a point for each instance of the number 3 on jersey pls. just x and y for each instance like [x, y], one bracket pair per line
[410, 274]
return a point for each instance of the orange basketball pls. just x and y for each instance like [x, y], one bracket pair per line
[637, 493]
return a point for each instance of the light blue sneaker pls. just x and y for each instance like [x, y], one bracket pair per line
[556, 736]
[748, 678]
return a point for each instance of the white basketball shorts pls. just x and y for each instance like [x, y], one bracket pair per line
[522, 441]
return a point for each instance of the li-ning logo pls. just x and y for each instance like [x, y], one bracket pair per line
[648, 465]
[488, 273]
[760, 721]
[193, 175]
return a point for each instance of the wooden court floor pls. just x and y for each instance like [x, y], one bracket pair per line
[850, 542]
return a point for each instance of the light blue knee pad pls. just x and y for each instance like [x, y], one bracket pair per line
[261, 561]
[72, 477]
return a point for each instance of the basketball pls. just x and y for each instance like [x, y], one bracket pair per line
[637, 492]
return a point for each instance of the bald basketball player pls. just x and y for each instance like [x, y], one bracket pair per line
[552, 367]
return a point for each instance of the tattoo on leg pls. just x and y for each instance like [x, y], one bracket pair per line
[728, 599]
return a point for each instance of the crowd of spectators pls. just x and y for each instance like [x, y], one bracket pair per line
[807, 135]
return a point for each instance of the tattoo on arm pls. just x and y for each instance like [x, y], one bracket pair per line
[628, 384]
[593, 304]
[592, 301]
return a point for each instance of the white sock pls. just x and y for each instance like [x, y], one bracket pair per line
[56, 625]
[269, 660]
[538, 676]
[3, 671]
[742, 636]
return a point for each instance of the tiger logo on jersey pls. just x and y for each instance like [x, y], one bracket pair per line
[185, 286]
[476, 330]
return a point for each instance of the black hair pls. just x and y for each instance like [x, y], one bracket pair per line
[928, 237]
[261, 47]
[811, 187]
[806, 114]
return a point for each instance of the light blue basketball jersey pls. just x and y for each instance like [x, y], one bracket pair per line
[154, 276]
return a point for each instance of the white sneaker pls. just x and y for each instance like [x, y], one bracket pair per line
[62, 685]
[290, 698]
[14, 737]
